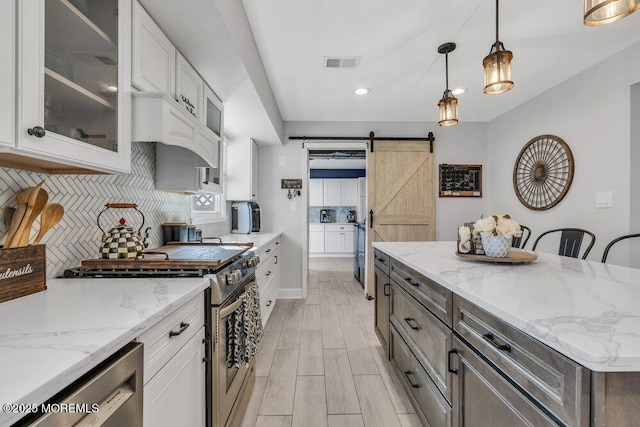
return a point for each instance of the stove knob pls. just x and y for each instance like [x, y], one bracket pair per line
[228, 278]
[238, 276]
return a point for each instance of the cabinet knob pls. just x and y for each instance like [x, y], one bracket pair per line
[37, 131]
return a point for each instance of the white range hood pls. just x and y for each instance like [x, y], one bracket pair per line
[158, 118]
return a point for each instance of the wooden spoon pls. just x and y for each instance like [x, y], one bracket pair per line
[51, 215]
[15, 223]
[37, 200]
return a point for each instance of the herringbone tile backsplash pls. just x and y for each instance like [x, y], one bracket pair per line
[77, 236]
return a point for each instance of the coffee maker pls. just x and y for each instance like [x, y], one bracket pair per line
[324, 215]
[351, 216]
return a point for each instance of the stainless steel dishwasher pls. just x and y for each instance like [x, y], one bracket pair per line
[109, 395]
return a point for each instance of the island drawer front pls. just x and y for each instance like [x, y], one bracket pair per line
[166, 337]
[427, 337]
[382, 261]
[483, 398]
[423, 393]
[432, 295]
[556, 382]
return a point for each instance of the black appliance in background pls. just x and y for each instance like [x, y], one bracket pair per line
[325, 215]
[351, 216]
[359, 247]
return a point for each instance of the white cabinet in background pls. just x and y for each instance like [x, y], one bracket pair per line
[77, 58]
[349, 192]
[332, 192]
[154, 56]
[189, 87]
[7, 72]
[316, 242]
[316, 192]
[242, 170]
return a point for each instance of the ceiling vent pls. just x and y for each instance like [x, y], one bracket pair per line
[341, 61]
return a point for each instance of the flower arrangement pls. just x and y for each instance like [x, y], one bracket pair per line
[497, 225]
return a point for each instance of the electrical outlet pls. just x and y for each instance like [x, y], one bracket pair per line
[293, 207]
[282, 161]
[604, 199]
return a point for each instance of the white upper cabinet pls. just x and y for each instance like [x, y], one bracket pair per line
[189, 87]
[213, 116]
[332, 192]
[316, 192]
[74, 83]
[7, 72]
[154, 56]
[242, 170]
[349, 192]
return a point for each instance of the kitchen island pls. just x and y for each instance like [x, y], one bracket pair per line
[587, 312]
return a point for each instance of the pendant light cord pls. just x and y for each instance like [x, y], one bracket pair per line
[497, 26]
[446, 67]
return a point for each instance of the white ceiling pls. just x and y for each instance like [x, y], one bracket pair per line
[398, 42]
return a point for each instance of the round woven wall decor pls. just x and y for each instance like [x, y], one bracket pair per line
[543, 172]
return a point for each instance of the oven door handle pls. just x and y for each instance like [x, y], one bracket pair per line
[225, 312]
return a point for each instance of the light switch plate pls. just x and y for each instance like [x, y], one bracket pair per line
[604, 199]
[282, 161]
[293, 207]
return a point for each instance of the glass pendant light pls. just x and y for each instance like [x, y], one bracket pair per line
[497, 66]
[600, 12]
[448, 105]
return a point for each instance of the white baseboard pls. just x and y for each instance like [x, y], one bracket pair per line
[337, 255]
[289, 293]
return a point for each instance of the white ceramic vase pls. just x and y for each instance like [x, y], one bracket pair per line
[496, 246]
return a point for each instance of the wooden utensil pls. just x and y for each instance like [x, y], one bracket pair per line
[15, 224]
[37, 200]
[51, 215]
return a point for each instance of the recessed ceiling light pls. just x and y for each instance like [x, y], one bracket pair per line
[458, 91]
[362, 91]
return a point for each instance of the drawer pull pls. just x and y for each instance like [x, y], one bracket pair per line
[414, 385]
[412, 282]
[381, 260]
[449, 368]
[276, 257]
[492, 339]
[268, 250]
[387, 291]
[415, 327]
[269, 303]
[268, 273]
[183, 327]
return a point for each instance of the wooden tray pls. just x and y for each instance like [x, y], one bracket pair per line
[515, 257]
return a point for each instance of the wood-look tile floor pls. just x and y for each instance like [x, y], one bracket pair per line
[320, 362]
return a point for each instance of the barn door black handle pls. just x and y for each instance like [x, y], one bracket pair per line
[371, 218]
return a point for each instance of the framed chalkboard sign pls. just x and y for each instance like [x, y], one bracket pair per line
[460, 180]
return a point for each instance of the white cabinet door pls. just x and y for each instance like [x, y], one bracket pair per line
[242, 170]
[316, 192]
[332, 192]
[347, 242]
[334, 241]
[213, 116]
[316, 242]
[7, 72]
[79, 60]
[154, 56]
[349, 192]
[189, 87]
[175, 396]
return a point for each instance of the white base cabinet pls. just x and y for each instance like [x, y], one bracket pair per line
[7, 72]
[176, 394]
[268, 278]
[331, 239]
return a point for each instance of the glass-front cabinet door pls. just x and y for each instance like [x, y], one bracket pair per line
[75, 82]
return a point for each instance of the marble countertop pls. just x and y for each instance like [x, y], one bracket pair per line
[51, 338]
[259, 239]
[586, 310]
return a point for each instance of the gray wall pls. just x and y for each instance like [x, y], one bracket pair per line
[77, 236]
[592, 113]
[634, 223]
[465, 143]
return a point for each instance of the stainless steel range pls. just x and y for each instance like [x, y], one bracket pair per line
[230, 269]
